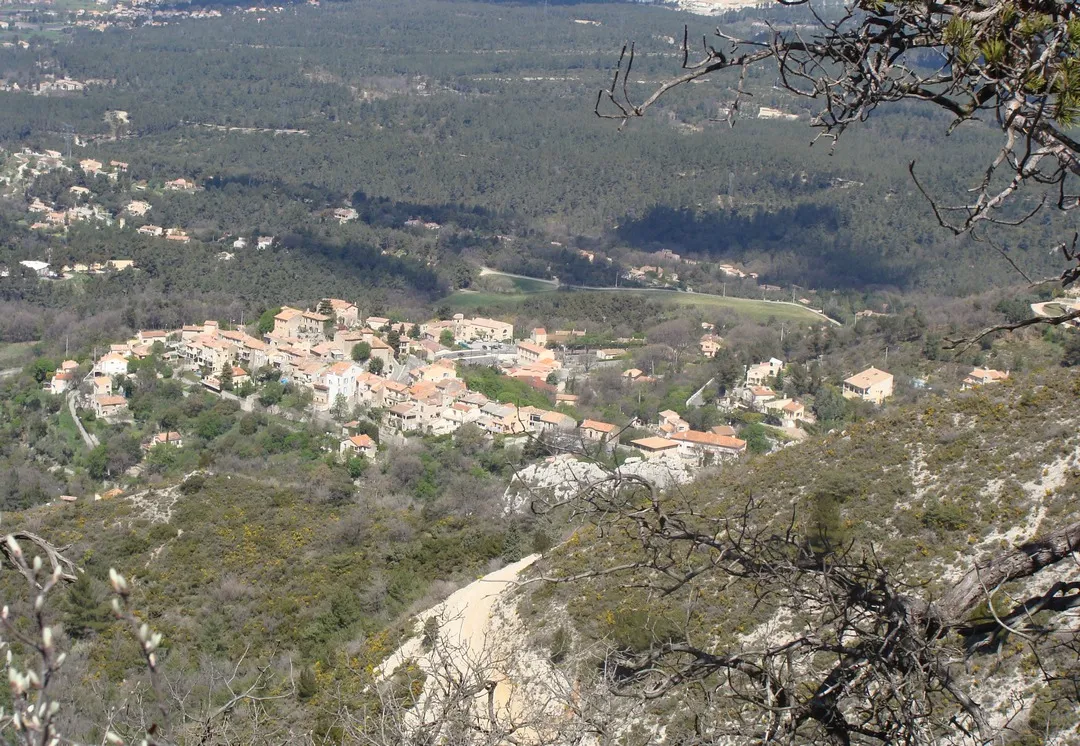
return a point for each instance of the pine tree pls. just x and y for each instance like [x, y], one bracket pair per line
[86, 613]
[226, 377]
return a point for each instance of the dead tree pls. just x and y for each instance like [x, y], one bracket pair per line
[865, 656]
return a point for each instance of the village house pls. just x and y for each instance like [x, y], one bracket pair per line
[756, 396]
[425, 349]
[981, 376]
[562, 336]
[111, 365]
[789, 411]
[149, 336]
[150, 230]
[670, 422]
[41, 269]
[60, 382]
[292, 322]
[482, 329]
[501, 419]
[138, 207]
[437, 371]
[90, 166]
[533, 353]
[345, 214]
[359, 445]
[80, 191]
[870, 385]
[710, 345]
[760, 373]
[469, 330]
[340, 380]
[171, 438]
[695, 442]
[609, 353]
[109, 406]
[539, 336]
[264, 242]
[345, 312]
[177, 234]
[207, 350]
[556, 422]
[594, 431]
[120, 264]
[180, 185]
[655, 447]
[404, 417]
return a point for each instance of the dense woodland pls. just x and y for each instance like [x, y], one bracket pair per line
[481, 120]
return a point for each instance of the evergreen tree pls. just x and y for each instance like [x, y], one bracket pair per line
[361, 351]
[86, 613]
[226, 377]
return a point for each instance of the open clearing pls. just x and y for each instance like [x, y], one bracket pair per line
[13, 354]
[753, 309]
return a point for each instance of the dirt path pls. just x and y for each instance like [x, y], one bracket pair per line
[465, 617]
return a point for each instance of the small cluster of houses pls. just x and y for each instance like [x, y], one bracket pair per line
[730, 270]
[30, 164]
[45, 270]
[675, 438]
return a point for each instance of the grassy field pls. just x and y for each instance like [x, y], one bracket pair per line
[753, 309]
[15, 354]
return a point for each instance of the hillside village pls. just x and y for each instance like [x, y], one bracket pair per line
[385, 382]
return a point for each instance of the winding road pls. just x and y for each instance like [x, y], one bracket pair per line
[91, 441]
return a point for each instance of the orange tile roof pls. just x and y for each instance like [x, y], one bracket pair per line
[868, 378]
[603, 427]
[710, 439]
[654, 443]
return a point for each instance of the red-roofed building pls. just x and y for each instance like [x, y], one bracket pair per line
[655, 447]
[596, 431]
[359, 445]
[697, 442]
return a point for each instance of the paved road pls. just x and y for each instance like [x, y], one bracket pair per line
[91, 441]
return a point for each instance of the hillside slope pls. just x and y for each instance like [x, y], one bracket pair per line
[907, 503]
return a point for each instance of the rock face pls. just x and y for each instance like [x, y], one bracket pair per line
[559, 477]
[478, 666]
